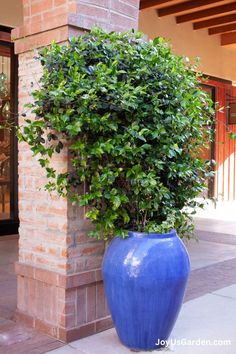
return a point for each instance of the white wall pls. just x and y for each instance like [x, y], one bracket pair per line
[215, 60]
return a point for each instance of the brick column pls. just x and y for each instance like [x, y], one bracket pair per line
[60, 289]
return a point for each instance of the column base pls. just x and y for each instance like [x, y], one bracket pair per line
[65, 335]
[67, 307]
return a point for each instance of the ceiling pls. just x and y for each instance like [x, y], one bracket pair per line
[11, 13]
[217, 16]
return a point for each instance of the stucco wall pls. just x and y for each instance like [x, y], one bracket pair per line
[11, 13]
[215, 60]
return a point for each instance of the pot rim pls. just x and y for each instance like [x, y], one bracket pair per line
[137, 234]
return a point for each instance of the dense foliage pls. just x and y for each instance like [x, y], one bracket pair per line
[132, 114]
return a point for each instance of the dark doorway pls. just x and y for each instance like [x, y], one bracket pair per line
[8, 141]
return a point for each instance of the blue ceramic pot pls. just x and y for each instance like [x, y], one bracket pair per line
[145, 277]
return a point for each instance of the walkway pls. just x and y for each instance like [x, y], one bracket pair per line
[209, 311]
[15, 338]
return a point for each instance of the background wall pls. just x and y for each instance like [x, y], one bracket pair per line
[11, 13]
[215, 60]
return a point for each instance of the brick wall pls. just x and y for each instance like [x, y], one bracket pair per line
[60, 288]
[45, 20]
[63, 245]
[43, 219]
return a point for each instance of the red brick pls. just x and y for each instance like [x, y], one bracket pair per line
[93, 11]
[35, 27]
[69, 308]
[124, 8]
[67, 321]
[92, 250]
[26, 11]
[104, 324]
[54, 12]
[40, 40]
[119, 19]
[101, 309]
[58, 2]
[71, 295]
[34, 19]
[25, 270]
[46, 328]
[46, 276]
[93, 262]
[21, 305]
[79, 332]
[100, 3]
[64, 253]
[98, 275]
[24, 318]
[39, 248]
[72, 7]
[65, 267]
[39, 300]
[81, 306]
[74, 281]
[134, 3]
[41, 6]
[91, 303]
[79, 265]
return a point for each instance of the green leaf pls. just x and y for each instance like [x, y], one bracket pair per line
[134, 119]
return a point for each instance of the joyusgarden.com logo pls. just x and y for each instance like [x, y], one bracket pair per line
[192, 342]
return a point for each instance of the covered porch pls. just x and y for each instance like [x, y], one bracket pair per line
[206, 31]
[51, 243]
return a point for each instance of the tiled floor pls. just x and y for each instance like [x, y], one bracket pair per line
[209, 318]
[209, 310]
[15, 338]
[213, 261]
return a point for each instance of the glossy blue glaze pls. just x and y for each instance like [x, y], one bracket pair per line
[145, 276]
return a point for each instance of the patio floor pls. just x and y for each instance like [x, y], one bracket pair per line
[213, 274]
[207, 319]
[209, 310]
[8, 255]
[15, 338]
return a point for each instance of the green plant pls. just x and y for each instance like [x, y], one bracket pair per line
[132, 114]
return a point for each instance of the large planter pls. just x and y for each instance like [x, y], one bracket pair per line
[145, 277]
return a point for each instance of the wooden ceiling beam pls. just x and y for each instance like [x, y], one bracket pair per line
[222, 29]
[147, 4]
[214, 21]
[218, 10]
[228, 38]
[173, 9]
